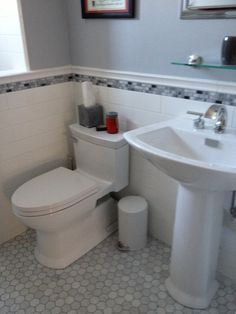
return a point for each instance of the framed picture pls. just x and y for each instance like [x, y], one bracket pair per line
[93, 9]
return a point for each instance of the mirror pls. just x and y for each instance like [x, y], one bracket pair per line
[208, 9]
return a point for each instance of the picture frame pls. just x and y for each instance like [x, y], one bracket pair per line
[106, 9]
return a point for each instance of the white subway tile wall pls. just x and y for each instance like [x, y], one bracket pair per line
[33, 140]
[137, 109]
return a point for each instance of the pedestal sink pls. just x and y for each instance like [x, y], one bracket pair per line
[204, 164]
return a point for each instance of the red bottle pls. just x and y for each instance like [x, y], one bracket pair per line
[112, 122]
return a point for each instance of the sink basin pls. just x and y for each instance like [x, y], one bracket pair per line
[197, 158]
[204, 164]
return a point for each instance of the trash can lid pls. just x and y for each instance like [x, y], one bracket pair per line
[132, 204]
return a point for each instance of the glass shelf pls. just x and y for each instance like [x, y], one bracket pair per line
[207, 65]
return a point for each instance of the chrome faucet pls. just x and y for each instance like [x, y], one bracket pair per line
[217, 113]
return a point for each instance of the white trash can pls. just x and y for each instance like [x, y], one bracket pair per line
[133, 220]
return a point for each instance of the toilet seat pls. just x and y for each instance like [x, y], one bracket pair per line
[52, 192]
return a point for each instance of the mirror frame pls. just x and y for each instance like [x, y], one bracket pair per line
[187, 14]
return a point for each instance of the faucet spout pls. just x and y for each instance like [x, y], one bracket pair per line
[218, 114]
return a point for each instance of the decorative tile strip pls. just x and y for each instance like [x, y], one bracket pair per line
[28, 84]
[163, 90]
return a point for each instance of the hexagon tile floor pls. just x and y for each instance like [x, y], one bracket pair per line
[104, 281]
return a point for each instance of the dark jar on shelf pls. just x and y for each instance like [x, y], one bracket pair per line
[228, 54]
[112, 122]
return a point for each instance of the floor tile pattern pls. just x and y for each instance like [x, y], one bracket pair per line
[104, 281]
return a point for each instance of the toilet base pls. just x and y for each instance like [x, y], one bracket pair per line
[58, 249]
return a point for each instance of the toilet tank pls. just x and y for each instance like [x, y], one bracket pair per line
[102, 155]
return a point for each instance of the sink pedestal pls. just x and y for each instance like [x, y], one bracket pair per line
[203, 162]
[198, 223]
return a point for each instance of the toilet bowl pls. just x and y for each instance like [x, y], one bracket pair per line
[72, 211]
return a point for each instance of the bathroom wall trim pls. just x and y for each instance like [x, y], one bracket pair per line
[13, 76]
[185, 88]
[204, 85]
[33, 79]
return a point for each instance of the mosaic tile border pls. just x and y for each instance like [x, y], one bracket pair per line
[33, 83]
[156, 89]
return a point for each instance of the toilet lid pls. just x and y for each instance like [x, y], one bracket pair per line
[52, 191]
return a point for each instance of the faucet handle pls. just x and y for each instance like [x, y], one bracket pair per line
[220, 126]
[199, 122]
[200, 114]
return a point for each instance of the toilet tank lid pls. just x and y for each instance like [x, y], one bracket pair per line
[98, 137]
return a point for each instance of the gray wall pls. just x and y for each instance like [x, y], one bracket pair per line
[150, 42]
[46, 30]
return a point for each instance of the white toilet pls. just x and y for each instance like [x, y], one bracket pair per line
[72, 211]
